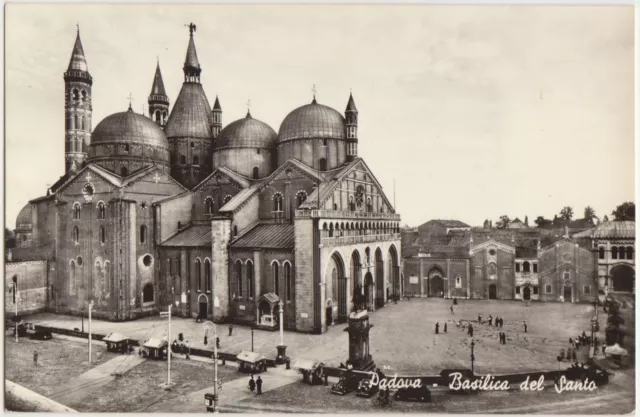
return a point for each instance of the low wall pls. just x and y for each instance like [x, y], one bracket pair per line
[19, 398]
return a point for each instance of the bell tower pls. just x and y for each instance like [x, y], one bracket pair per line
[158, 100]
[351, 116]
[216, 127]
[77, 106]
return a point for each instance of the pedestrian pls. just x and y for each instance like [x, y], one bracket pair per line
[187, 350]
[35, 358]
[437, 328]
[326, 380]
[445, 327]
[571, 342]
[259, 385]
[525, 326]
[217, 343]
[230, 329]
[470, 330]
[501, 322]
[479, 318]
[206, 340]
[490, 319]
[451, 308]
[504, 338]
[252, 384]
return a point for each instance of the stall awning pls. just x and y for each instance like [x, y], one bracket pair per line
[250, 357]
[115, 337]
[271, 298]
[305, 364]
[155, 343]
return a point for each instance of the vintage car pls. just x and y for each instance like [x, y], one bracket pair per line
[346, 384]
[312, 372]
[581, 373]
[251, 362]
[119, 343]
[36, 332]
[422, 394]
[366, 389]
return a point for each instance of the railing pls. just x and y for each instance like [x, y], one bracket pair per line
[337, 214]
[350, 240]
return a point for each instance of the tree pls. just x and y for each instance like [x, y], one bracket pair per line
[590, 214]
[543, 223]
[504, 222]
[566, 213]
[625, 211]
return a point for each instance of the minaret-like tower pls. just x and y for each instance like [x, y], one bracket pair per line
[191, 66]
[351, 116]
[216, 127]
[77, 106]
[158, 100]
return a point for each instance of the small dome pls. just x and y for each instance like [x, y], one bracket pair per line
[312, 121]
[127, 127]
[247, 133]
[23, 221]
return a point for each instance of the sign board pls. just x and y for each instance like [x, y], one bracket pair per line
[216, 302]
[242, 307]
[304, 315]
[184, 298]
[413, 280]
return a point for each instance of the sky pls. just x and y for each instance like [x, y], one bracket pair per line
[465, 112]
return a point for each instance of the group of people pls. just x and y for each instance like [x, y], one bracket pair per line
[503, 338]
[253, 384]
[498, 322]
[438, 327]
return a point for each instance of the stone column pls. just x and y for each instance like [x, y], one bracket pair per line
[467, 263]
[421, 272]
[221, 235]
[257, 274]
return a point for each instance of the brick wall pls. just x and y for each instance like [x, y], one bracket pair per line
[171, 212]
[33, 287]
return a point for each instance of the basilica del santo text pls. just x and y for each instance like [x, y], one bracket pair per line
[221, 221]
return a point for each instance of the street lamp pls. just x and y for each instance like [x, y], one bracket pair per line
[252, 338]
[215, 363]
[473, 358]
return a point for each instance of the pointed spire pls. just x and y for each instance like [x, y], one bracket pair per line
[157, 89]
[78, 60]
[216, 105]
[191, 64]
[248, 109]
[314, 90]
[351, 105]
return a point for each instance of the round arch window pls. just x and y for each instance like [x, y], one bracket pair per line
[492, 252]
[88, 191]
[79, 260]
[567, 257]
[147, 260]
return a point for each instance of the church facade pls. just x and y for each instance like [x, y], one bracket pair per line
[225, 223]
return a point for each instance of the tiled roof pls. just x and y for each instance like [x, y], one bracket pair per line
[239, 199]
[268, 236]
[229, 173]
[194, 236]
[191, 114]
[526, 253]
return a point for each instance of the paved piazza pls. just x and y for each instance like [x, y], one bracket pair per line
[403, 341]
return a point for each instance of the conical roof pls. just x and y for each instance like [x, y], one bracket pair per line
[78, 61]
[157, 89]
[216, 105]
[351, 106]
[191, 114]
[191, 61]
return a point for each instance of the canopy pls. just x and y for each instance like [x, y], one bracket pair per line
[251, 357]
[155, 343]
[115, 337]
[305, 364]
[615, 350]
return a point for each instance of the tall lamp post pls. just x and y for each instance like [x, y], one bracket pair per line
[215, 363]
[15, 301]
[252, 338]
[473, 357]
[282, 357]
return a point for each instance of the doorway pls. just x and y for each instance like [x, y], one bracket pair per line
[329, 314]
[526, 293]
[492, 292]
[202, 310]
[436, 287]
[567, 293]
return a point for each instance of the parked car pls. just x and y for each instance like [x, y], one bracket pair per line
[365, 389]
[10, 326]
[422, 394]
[346, 384]
[38, 333]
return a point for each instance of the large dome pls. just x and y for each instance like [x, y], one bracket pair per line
[312, 121]
[129, 127]
[126, 142]
[247, 133]
[23, 221]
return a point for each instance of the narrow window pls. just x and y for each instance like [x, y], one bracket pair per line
[256, 173]
[535, 267]
[147, 293]
[198, 274]
[547, 289]
[621, 252]
[169, 267]
[207, 275]
[301, 197]
[629, 252]
[195, 160]
[76, 234]
[239, 278]
[143, 234]
[535, 290]
[517, 266]
[183, 159]
[103, 234]
[277, 202]
[101, 211]
[601, 253]
[287, 280]
[235, 230]
[276, 286]
[250, 279]
[526, 267]
[209, 204]
[323, 164]
[614, 252]
[124, 172]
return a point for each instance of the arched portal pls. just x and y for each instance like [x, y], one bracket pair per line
[203, 301]
[394, 272]
[339, 294]
[493, 292]
[379, 279]
[526, 293]
[369, 291]
[623, 278]
[436, 282]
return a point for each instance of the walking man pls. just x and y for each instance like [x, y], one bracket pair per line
[479, 318]
[259, 385]
[217, 343]
[252, 384]
[445, 326]
[525, 326]
[451, 308]
[437, 327]
[490, 319]
[206, 339]
[230, 329]
[470, 330]
[35, 358]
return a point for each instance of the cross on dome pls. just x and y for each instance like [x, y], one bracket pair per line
[314, 90]
[130, 97]
[249, 108]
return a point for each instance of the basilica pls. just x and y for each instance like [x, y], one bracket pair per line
[226, 223]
